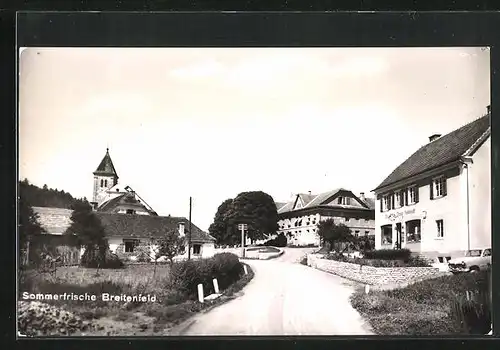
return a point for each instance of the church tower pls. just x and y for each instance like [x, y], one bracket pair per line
[105, 177]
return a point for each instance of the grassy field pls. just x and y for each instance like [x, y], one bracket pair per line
[422, 308]
[121, 318]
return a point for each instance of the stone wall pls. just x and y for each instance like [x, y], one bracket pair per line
[253, 254]
[375, 276]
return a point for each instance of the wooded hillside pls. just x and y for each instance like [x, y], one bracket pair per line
[46, 197]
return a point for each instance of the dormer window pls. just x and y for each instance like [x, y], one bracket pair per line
[182, 229]
[130, 211]
[344, 201]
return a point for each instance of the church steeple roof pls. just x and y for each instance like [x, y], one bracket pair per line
[106, 166]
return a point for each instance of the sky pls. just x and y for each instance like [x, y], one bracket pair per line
[213, 122]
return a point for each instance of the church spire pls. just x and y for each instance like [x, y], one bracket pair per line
[106, 167]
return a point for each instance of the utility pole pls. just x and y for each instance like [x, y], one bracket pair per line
[243, 228]
[189, 233]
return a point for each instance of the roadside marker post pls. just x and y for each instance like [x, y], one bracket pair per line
[246, 270]
[216, 286]
[200, 293]
[242, 228]
[367, 289]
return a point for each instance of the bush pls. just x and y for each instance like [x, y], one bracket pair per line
[93, 260]
[389, 254]
[186, 275]
[279, 241]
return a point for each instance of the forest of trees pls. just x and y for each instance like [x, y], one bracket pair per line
[47, 197]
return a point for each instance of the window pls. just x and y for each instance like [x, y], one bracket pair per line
[356, 233]
[438, 187]
[102, 183]
[386, 234]
[398, 199]
[130, 211]
[105, 183]
[387, 202]
[367, 233]
[440, 228]
[344, 201]
[196, 249]
[130, 245]
[413, 234]
[412, 195]
[347, 219]
[487, 252]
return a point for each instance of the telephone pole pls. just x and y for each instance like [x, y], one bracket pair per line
[189, 233]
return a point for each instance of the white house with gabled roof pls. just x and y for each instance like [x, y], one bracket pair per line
[437, 203]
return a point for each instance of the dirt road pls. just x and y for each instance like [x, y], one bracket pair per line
[283, 298]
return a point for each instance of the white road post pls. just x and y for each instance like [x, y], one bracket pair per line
[200, 293]
[216, 286]
[246, 270]
[367, 289]
[242, 227]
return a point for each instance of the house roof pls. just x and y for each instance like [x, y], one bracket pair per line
[279, 205]
[106, 166]
[128, 199]
[56, 221]
[444, 150]
[313, 201]
[146, 226]
[370, 202]
[306, 198]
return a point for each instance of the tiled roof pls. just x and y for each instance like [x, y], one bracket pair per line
[370, 202]
[110, 204]
[319, 200]
[279, 205]
[106, 166]
[306, 198]
[444, 150]
[146, 226]
[54, 220]
[322, 197]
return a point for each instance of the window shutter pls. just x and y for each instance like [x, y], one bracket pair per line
[381, 204]
[405, 197]
[444, 186]
[432, 189]
[416, 193]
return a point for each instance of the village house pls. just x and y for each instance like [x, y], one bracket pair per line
[130, 224]
[298, 219]
[438, 202]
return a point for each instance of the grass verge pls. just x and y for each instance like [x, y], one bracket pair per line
[422, 308]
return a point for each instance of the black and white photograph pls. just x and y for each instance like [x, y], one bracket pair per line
[237, 191]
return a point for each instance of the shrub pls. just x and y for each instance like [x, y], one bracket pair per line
[110, 261]
[389, 254]
[186, 275]
[279, 241]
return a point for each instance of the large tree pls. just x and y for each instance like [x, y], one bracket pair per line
[256, 209]
[220, 229]
[90, 234]
[334, 234]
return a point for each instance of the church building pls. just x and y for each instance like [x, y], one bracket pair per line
[131, 225]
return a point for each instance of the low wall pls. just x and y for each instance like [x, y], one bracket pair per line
[375, 276]
[252, 254]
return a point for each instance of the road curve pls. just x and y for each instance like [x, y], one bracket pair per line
[283, 298]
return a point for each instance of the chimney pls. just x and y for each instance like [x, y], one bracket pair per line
[362, 195]
[181, 229]
[488, 109]
[434, 137]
